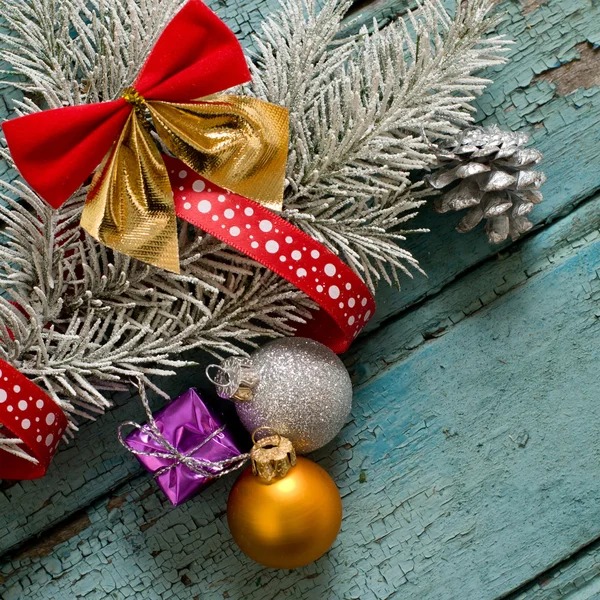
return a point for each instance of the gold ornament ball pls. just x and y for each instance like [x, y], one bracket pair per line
[289, 522]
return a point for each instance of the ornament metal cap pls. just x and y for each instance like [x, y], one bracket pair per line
[271, 456]
[234, 379]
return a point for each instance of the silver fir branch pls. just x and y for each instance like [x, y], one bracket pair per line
[362, 108]
[88, 319]
[81, 320]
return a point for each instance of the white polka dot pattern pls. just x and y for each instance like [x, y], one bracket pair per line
[266, 237]
[30, 414]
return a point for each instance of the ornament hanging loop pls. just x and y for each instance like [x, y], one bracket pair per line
[234, 379]
[271, 456]
[273, 433]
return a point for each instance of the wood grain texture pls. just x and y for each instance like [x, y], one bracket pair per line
[475, 450]
[474, 292]
[477, 473]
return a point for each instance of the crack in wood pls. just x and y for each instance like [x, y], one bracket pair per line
[115, 502]
[63, 532]
[147, 525]
[561, 576]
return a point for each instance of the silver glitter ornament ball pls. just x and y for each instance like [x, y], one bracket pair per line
[294, 386]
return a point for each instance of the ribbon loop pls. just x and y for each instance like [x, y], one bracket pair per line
[57, 150]
[130, 203]
[129, 207]
[238, 143]
[195, 56]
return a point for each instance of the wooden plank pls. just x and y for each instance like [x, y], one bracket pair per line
[88, 468]
[577, 578]
[476, 450]
[474, 292]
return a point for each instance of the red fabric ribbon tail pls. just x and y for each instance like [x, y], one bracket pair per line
[57, 150]
[28, 413]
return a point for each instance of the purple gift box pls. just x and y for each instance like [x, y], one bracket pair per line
[185, 423]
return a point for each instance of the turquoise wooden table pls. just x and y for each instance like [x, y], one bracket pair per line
[470, 468]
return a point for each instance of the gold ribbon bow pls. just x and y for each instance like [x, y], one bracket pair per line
[237, 142]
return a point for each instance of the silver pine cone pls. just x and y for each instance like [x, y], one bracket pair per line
[490, 172]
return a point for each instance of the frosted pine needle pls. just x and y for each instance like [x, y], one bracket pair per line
[87, 319]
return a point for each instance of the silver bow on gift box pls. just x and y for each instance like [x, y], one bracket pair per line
[491, 173]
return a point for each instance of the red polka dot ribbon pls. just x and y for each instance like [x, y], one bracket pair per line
[30, 414]
[346, 302]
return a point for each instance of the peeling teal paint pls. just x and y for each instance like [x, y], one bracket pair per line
[475, 414]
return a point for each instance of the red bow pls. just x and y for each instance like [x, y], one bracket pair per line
[57, 150]
[195, 57]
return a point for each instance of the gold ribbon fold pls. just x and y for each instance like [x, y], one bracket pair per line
[238, 143]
